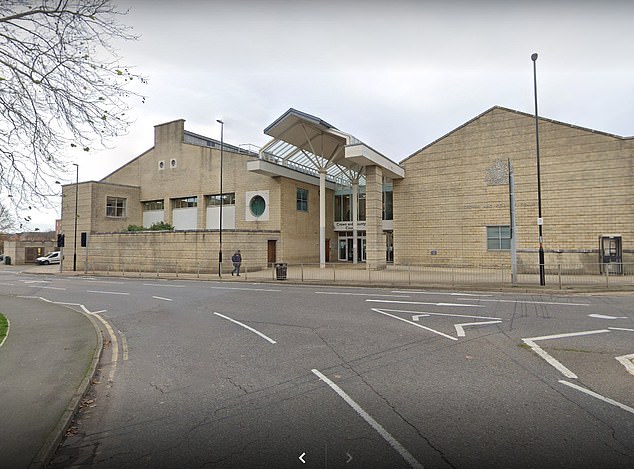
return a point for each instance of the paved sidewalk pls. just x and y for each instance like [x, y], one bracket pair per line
[46, 365]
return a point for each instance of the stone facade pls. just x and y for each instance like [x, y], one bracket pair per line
[455, 187]
[182, 165]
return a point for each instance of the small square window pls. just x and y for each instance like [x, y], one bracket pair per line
[498, 238]
[115, 207]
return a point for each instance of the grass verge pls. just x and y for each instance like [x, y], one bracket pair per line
[4, 328]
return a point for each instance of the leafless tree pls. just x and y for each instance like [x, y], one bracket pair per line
[6, 219]
[61, 88]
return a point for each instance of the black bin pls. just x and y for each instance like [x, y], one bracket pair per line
[7, 260]
[280, 270]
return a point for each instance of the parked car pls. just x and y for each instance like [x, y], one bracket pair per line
[51, 258]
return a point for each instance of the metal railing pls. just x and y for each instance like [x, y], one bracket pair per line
[559, 276]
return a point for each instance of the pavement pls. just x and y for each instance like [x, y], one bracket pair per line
[46, 365]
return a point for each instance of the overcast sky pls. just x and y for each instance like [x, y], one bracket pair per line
[397, 74]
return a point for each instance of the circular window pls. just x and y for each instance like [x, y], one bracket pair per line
[257, 205]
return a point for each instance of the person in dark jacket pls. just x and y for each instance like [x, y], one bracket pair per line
[237, 260]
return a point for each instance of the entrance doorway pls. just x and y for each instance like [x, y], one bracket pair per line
[32, 253]
[346, 246]
[611, 252]
[271, 250]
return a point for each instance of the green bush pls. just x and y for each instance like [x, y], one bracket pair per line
[158, 226]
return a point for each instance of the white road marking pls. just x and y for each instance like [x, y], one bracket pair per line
[104, 281]
[427, 313]
[6, 332]
[413, 323]
[161, 298]
[598, 396]
[552, 360]
[124, 346]
[35, 281]
[246, 327]
[8, 284]
[604, 316]
[107, 292]
[538, 302]
[415, 317]
[373, 423]
[245, 289]
[54, 288]
[620, 329]
[423, 303]
[460, 327]
[358, 294]
[163, 285]
[627, 362]
[439, 293]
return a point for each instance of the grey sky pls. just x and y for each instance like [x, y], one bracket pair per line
[397, 74]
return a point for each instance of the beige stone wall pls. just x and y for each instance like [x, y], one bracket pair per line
[16, 249]
[444, 203]
[300, 230]
[182, 251]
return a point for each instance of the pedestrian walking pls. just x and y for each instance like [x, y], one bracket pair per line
[237, 260]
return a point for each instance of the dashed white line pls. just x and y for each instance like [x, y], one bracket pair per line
[161, 298]
[163, 285]
[244, 289]
[246, 327]
[107, 292]
[54, 288]
[359, 294]
[440, 293]
[598, 396]
[400, 449]
[423, 303]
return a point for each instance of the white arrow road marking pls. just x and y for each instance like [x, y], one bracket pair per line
[413, 324]
[373, 423]
[416, 316]
[423, 303]
[460, 330]
[626, 361]
[598, 396]
[550, 359]
[246, 327]
[604, 316]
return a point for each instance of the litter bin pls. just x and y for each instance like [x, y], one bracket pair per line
[7, 260]
[280, 270]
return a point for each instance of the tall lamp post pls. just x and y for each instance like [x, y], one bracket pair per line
[75, 234]
[540, 220]
[222, 144]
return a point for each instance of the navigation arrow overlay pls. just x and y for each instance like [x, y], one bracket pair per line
[301, 458]
[460, 330]
[349, 457]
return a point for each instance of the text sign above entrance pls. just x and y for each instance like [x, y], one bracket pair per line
[347, 225]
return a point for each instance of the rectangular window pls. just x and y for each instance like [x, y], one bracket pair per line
[185, 202]
[302, 199]
[498, 238]
[115, 207]
[387, 205]
[153, 205]
[227, 199]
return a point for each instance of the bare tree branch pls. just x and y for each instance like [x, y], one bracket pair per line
[61, 86]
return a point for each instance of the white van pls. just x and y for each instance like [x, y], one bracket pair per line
[51, 258]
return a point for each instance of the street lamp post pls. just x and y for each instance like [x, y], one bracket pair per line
[222, 136]
[540, 220]
[75, 234]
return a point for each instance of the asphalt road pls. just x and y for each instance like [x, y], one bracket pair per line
[227, 374]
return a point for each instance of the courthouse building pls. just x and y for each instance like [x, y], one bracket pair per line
[315, 194]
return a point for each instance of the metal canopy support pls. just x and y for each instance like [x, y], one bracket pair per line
[322, 217]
